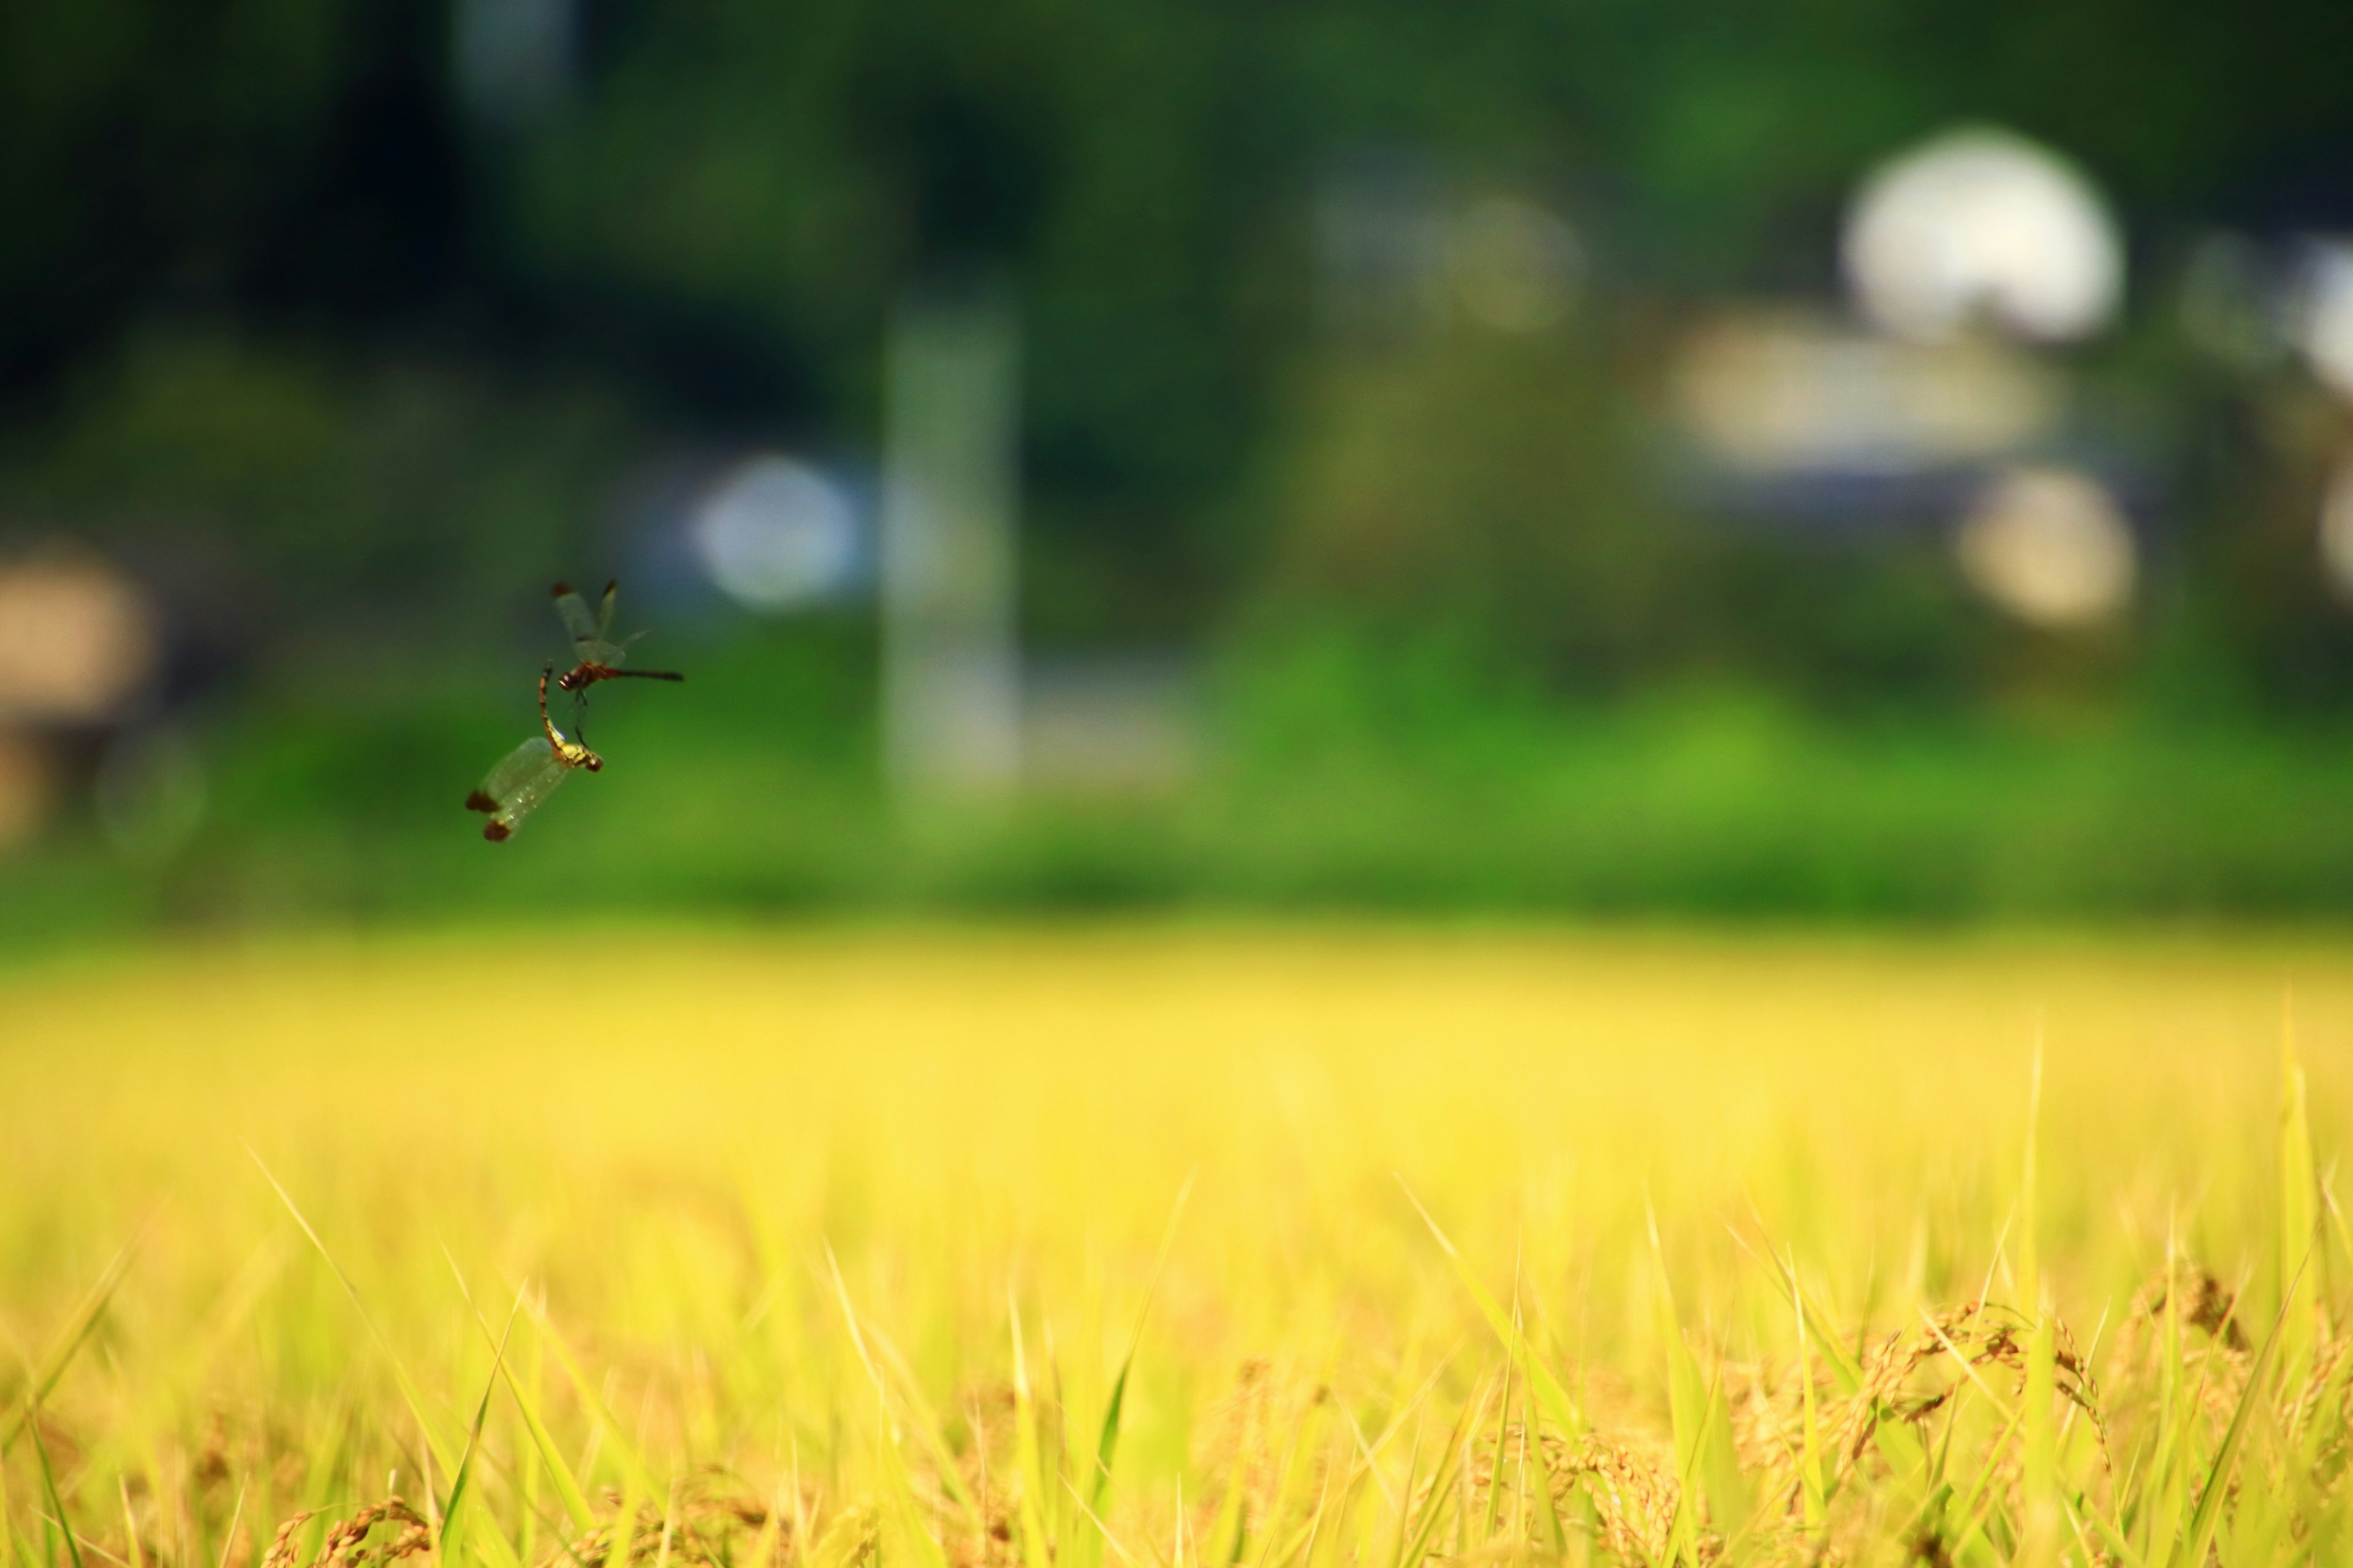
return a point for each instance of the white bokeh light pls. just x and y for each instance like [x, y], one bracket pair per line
[2324, 324]
[1980, 222]
[2336, 530]
[778, 532]
[2050, 546]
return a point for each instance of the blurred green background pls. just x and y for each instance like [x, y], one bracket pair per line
[1848, 458]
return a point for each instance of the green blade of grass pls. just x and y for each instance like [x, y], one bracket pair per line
[2209, 1512]
[1107, 1444]
[1687, 1401]
[49, 1486]
[474, 1435]
[568, 1490]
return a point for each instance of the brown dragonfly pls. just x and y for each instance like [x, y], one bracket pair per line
[527, 775]
[596, 655]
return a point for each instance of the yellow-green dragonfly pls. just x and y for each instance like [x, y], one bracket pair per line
[529, 774]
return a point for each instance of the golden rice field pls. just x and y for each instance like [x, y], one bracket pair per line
[1220, 1248]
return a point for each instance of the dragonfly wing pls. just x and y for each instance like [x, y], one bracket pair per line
[605, 612]
[578, 622]
[514, 789]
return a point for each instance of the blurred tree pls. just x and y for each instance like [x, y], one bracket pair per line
[717, 215]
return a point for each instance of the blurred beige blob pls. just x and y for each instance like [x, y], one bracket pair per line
[2050, 546]
[1769, 391]
[2336, 529]
[1981, 223]
[77, 641]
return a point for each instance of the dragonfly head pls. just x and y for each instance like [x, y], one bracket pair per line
[591, 761]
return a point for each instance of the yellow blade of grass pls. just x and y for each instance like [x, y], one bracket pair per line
[901, 1395]
[893, 1459]
[764, 1546]
[2029, 1278]
[426, 1418]
[1809, 1459]
[1035, 1551]
[1441, 1487]
[2112, 1544]
[1292, 1475]
[592, 1399]
[2299, 1217]
[1230, 1531]
[1502, 1433]
[535, 1454]
[130, 1525]
[1565, 1418]
[2039, 1488]
[1127, 1557]
[621, 1550]
[78, 1327]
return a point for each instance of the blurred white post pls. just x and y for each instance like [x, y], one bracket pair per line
[951, 672]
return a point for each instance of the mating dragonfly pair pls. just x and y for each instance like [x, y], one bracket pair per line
[530, 773]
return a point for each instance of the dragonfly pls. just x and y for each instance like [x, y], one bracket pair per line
[596, 655]
[527, 775]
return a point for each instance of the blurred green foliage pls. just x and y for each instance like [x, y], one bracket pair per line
[1347, 771]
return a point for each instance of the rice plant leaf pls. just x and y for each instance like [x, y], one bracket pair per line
[427, 1419]
[1702, 1460]
[2112, 1542]
[474, 1435]
[1441, 1482]
[78, 1326]
[1107, 1443]
[568, 1490]
[592, 1399]
[2300, 1230]
[1810, 1470]
[901, 1395]
[894, 1461]
[2209, 1512]
[1565, 1418]
[1035, 1551]
[2040, 1472]
[49, 1485]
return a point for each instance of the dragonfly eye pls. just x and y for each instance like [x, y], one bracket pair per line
[592, 762]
